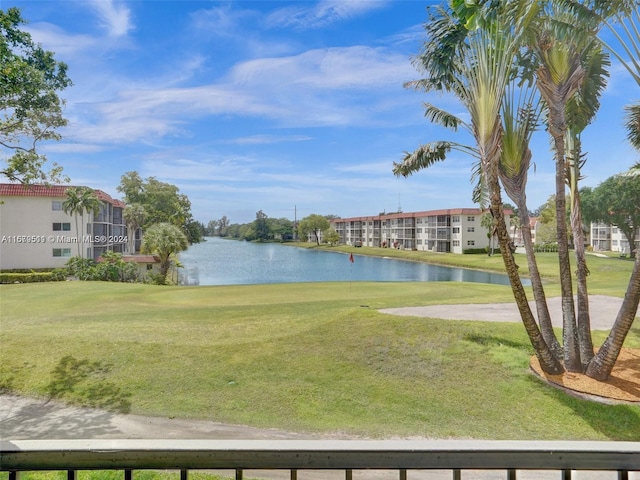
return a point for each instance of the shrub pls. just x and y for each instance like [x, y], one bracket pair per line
[474, 251]
[32, 277]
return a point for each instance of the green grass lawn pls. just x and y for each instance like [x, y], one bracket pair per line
[305, 357]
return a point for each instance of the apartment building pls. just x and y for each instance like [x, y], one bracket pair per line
[36, 233]
[606, 237]
[449, 230]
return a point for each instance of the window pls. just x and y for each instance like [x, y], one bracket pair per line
[471, 242]
[456, 229]
[455, 219]
[456, 243]
[56, 205]
[471, 219]
[62, 227]
[149, 266]
[471, 229]
[61, 252]
[418, 230]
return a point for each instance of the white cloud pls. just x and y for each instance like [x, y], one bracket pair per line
[268, 139]
[55, 39]
[115, 18]
[336, 86]
[321, 14]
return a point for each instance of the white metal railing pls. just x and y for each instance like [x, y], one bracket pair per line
[293, 456]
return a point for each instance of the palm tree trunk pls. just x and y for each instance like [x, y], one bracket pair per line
[490, 156]
[569, 335]
[585, 342]
[602, 363]
[544, 317]
[556, 97]
[75, 216]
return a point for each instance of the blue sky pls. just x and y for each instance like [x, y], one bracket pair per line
[270, 105]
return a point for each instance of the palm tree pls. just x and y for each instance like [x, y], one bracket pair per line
[581, 109]
[476, 68]
[620, 18]
[134, 216]
[520, 112]
[558, 42]
[164, 240]
[80, 200]
[70, 206]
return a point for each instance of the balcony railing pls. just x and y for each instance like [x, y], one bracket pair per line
[460, 459]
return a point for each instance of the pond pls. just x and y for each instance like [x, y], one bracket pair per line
[218, 261]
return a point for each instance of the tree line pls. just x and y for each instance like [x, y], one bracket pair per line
[267, 229]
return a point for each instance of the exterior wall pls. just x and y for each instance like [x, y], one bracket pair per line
[610, 238]
[28, 236]
[34, 235]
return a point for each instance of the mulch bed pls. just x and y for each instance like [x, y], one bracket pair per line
[623, 384]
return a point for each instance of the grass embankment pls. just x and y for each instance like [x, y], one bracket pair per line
[306, 357]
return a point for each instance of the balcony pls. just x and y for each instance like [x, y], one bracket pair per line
[400, 459]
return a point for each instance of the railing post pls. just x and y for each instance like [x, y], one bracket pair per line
[239, 475]
[456, 474]
[184, 474]
[511, 474]
[72, 475]
[623, 475]
[128, 474]
[294, 474]
[566, 474]
[348, 474]
[14, 475]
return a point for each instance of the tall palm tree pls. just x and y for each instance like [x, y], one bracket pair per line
[164, 240]
[581, 109]
[558, 41]
[78, 201]
[71, 206]
[89, 203]
[520, 114]
[478, 76]
[620, 18]
[134, 216]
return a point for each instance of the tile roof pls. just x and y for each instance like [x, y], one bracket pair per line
[21, 190]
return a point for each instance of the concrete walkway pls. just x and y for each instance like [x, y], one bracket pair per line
[603, 311]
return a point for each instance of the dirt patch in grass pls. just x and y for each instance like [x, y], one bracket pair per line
[623, 384]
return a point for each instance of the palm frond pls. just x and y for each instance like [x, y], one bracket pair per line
[441, 117]
[427, 155]
[633, 125]
[582, 107]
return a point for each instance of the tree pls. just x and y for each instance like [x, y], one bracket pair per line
[261, 228]
[476, 64]
[78, 201]
[616, 201]
[559, 55]
[315, 224]
[620, 19]
[162, 202]
[164, 240]
[223, 224]
[331, 236]
[31, 109]
[134, 215]
[212, 228]
[486, 221]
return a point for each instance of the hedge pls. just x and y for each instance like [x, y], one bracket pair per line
[32, 277]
